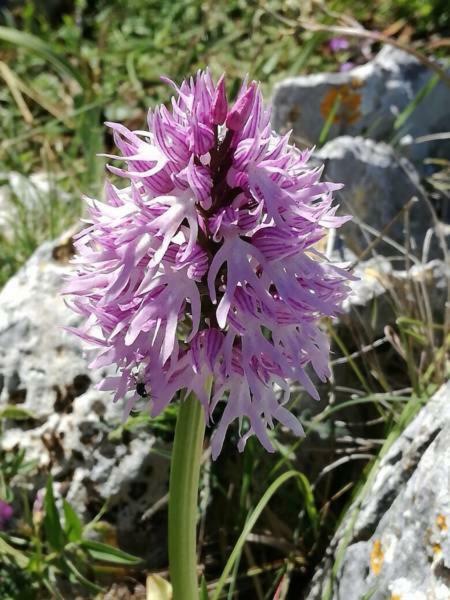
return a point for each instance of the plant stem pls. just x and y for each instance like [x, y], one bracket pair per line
[183, 493]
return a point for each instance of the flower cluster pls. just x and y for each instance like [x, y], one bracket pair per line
[204, 266]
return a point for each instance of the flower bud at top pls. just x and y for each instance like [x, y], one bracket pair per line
[219, 105]
[238, 115]
[38, 507]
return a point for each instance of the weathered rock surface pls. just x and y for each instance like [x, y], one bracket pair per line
[395, 543]
[370, 98]
[377, 185]
[421, 290]
[44, 371]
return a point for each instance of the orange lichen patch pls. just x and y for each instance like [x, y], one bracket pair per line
[376, 557]
[395, 597]
[441, 522]
[345, 100]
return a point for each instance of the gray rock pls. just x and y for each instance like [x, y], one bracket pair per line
[383, 292]
[44, 371]
[371, 97]
[394, 541]
[377, 185]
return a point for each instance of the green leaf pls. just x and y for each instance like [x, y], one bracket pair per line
[203, 589]
[10, 411]
[20, 558]
[81, 578]
[50, 585]
[308, 497]
[109, 554]
[52, 524]
[73, 526]
[130, 424]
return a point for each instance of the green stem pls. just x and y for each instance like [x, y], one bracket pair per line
[183, 495]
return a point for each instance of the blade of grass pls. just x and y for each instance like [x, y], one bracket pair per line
[11, 82]
[38, 46]
[28, 90]
[337, 339]
[329, 121]
[271, 490]
[419, 97]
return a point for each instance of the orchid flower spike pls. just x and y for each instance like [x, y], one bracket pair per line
[204, 265]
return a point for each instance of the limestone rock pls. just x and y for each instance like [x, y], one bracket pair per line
[43, 370]
[422, 287]
[377, 185]
[368, 100]
[396, 541]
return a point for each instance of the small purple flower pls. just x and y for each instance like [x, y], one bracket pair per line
[204, 266]
[6, 513]
[337, 44]
[347, 66]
